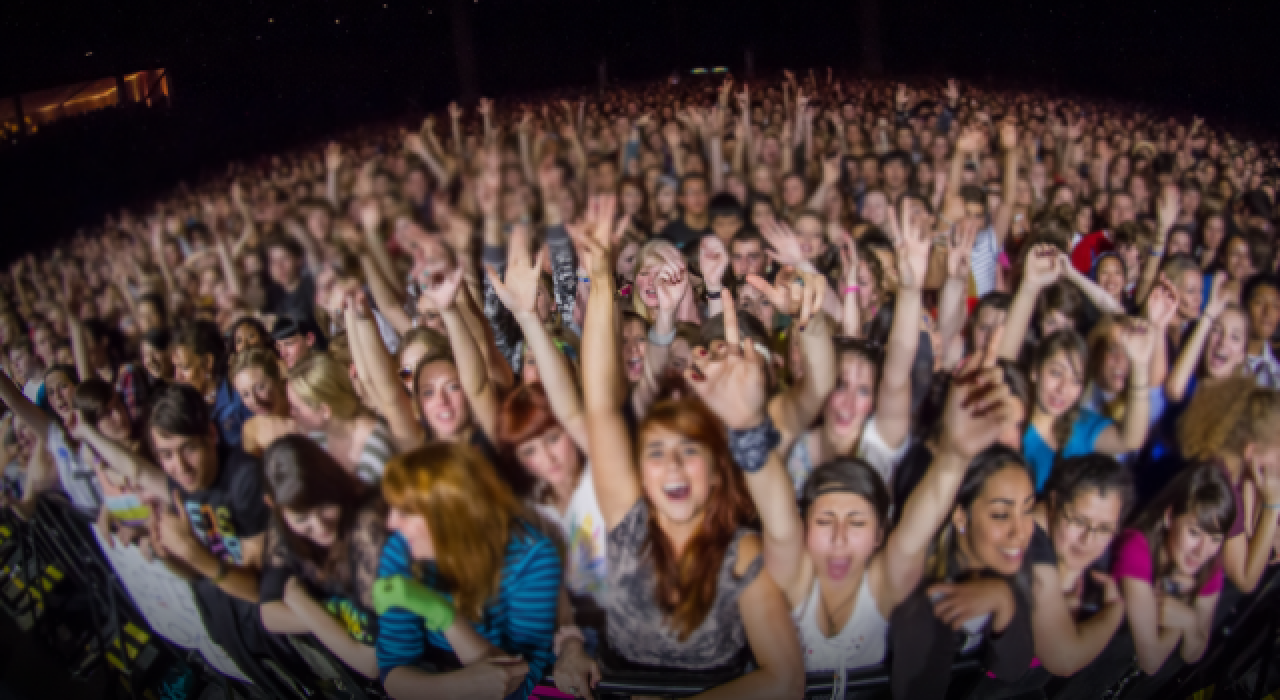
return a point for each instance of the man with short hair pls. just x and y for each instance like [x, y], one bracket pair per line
[746, 254]
[290, 288]
[1262, 301]
[695, 219]
[296, 339]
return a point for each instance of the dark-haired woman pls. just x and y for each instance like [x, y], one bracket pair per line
[1168, 568]
[841, 584]
[684, 572]
[1077, 607]
[977, 581]
[1058, 426]
[326, 533]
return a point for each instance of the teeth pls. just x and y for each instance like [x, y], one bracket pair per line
[1012, 553]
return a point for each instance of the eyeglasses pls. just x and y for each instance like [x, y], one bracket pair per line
[1085, 527]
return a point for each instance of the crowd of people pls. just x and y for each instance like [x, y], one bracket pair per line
[808, 375]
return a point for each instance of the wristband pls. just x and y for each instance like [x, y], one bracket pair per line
[751, 447]
[1271, 506]
[852, 289]
[402, 592]
[712, 295]
[564, 634]
[662, 340]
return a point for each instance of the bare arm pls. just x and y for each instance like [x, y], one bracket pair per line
[519, 294]
[135, 468]
[481, 393]
[1063, 645]
[1043, 267]
[764, 611]
[1184, 367]
[1152, 641]
[1138, 340]
[330, 631]
[1104, 302]
[613, 467]
[1004, 215]
[893, 399]
[385, 296]
[378, 374]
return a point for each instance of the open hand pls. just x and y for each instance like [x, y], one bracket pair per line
[733, 382]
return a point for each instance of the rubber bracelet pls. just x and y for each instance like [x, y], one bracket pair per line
[713, 295]
[402, 592]
[750, 448]
[662, 340]
[1271, 506]
[852, 288]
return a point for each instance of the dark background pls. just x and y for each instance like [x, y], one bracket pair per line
[244, 85]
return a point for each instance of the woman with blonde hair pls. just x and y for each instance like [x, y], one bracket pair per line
[325, 406]
[1236, 425]
[460, 541]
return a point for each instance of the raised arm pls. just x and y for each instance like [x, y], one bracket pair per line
[481, 393]
[1042, 268]
[979, 407]
[1138, 340]
[893, 399]
[613, 468]
[952, 308]
[1175, 388]
[1009, 143]
[332, 166]
[1245, 557]
[1098, 296]
[1167, 207]
[519, 293]
[30, 414]
[377, 372]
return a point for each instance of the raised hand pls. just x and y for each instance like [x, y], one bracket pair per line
[713, 260]
[1009, 134]
[455, 112]
[744, 99]
[369, 214]
[1075, 129]
[960, 252]
[831, 170]
[913, 243]
[442, 288]
[485, 107]
[1218, 297]
[953, 90]
[1169, 205]
[978, 407]
[799, 296]
[672, 285]
[971, 140]
[333, 156]
[785, 243]
[519, 291]
[956, 603]
[732, 383]
[1043, 266]
[1162, 304]
[1138, 340]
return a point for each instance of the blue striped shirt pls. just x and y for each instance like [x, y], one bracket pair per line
[521, 620]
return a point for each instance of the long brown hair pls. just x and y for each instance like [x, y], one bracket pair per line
[686, 586]
[1202, 491]
[299, 475]
[469, 511]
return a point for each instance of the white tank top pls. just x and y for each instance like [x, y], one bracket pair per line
[860, 643]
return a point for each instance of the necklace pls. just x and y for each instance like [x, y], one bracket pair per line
[831, 614]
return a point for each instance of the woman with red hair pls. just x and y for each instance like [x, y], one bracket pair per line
[684, 570]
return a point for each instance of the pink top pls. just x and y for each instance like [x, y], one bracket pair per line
[1133, 560]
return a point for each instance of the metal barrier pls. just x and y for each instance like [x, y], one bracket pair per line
[56, 583]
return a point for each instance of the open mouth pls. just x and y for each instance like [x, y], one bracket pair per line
[1014, 555]
[676, 492]
[635, 365]
[838, 569]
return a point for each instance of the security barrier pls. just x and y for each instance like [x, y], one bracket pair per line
[58, 585]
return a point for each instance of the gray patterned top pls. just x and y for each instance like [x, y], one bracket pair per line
[637, 629]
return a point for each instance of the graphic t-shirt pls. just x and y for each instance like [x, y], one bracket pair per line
[345, 591]
[231, 509]
[585, 538]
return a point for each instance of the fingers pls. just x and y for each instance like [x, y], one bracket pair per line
[732, 334]
[991, 353]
